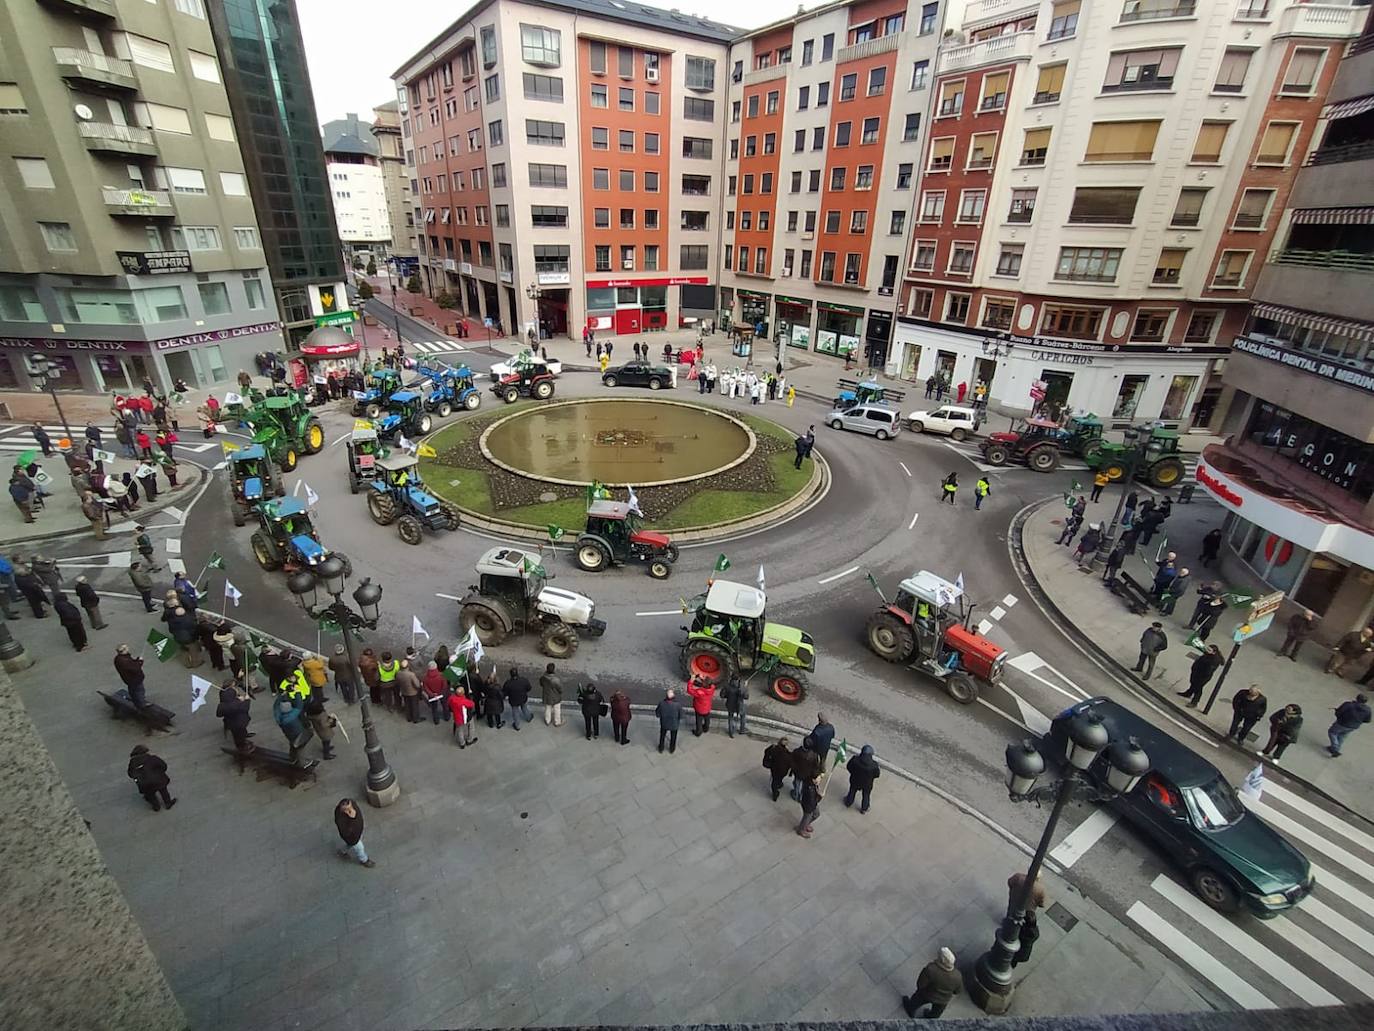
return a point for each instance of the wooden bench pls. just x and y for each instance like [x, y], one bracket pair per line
[268, 762]
[152, 716]
[1132, 592]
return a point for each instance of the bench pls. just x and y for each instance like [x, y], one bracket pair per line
[152, 716]
[268, 762]
[1132, 592]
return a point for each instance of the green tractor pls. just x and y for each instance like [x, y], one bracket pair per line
[286, 428]
[1157, 460]
[1082, 435]
[729, 635]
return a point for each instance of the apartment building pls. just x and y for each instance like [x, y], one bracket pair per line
[568, 165]
[131, 242]
[1297, 469]
[386, 135]
[358, 184]
[1100, 186]
[827, 119]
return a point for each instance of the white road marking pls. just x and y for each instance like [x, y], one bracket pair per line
[1280, 969]
[984, 627]
[1340, 889]
[115, 560]
[174, 545]
[1319, 815]
[1361, 980]
[1028, 661]
[1351, 862]
[665, 612]
[1031, 718]
[1346, 928]
[177, 567]
[220, 465]
[296, 490]
[912, 525]
[846, 572]
[1005, 715]
[904, 468]
[997, 612]
[1195, 956]
[1009, 600]
[450, 597]
[1083, 837]
[340, 440]
[175, 513]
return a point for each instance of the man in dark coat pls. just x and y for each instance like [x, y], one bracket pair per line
[1350, 717]
[345, 676]
[669, 713]
[70, 618]
[130, 671]
[936, 985]
[806, 765]
[517, 693]
[186, 632]
[494, 703]
[1205, 594]
[1247, 707]
[736, 694]
[149, 774]
[32, 589]
[90, 601]
[348, 819]
[1204, 666]
[1152, 642]
[821, 735]
[1177, 588]
[1114, 561]
[863, 771]
[1301, 626]
[233, 709]
[810, 800]
[777, 760]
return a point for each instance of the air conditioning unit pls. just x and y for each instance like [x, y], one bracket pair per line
[651, 74]
[628, 265]
[808, 236]
[787, 270]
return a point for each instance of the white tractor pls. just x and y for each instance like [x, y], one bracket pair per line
[512, 596]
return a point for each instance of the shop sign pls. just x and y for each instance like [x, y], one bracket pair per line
[796, 301]
[554, 278]
[1297, 360]
[843, 309]
[154, 263]
[1054, 357]
[1218, 487]
[338, 318]
[215, 336]
[1057, 343]
[651, 281]
[753, 295]
[20, 343]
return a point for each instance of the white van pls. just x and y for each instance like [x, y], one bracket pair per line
[874, 419]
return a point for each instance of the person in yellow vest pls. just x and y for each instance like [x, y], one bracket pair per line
[604, 361]
[981, 490]
[1100, 481]
[316, 675]
[791, 396]
[295, 685]
[386, 674]
[949, 488]
[402, 478]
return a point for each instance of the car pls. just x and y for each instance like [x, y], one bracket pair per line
[955, 420]
[501, 370]
[1231, 857]
[878, 420]
[640, 374]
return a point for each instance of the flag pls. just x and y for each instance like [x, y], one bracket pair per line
[215, 561]
[533, 568]
[360, 395]
[454, 674]
[416, 628]
[1253, 784]
[634, 501]
[328, 624]
[471, 645]
[1194, 641]
[425, 451]
[841, 753]
[232, 593]
[102, 456]
[362, 424]
[959, 583]
[231, 398]
[200, 690]
[163, 646]
[250, 660]
[259, 643]
[404, 444]
[555, 532]
[760, 578]
[722, 563]
[27, 458]
[311, 498]
[1076, 486]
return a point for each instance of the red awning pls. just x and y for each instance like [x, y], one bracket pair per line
[329, 350]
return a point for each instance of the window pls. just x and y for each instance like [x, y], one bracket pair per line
[550, 257]
[203, 66]
[870, 131]
[651, 101]
[596, 57]
[627, 218]
[1088, 264]
[822, 94]
[196, 238]
[858, 221]
[1188, 209]
[861, 33]
[1151, 10]
[548, 216]
[539, 45]
[904, 171]
[492, 88]
[981, 149]
[1022, 206]
[696, 147]
[195, 8]
[626, 141]
[503, 216]
[1276, 143]
[183, 180]
[1230, 272]
[599, 95]
[923, 256]
[602, 257]
[544, 134]
[651, 143]
[1076, 323]
[498, 176]
[827, 271]
[994, 92]
[813, 183]
[764, 220]
[729, 254]
[1050, 83]
[932, 205]
[12, 100]
[176, 120]
[698, 109]
[770, 142]
[808, 50]
[625, 98]
[961, 257]
[930, 16]
[695, 221]
[1235, 63]
[57, 236]
[692, 256]
[805, 271]
[863, 177]
[1122, 141]
[971, 203]
[761, 261]
[1169, 266]
[746, 221]
[601, 138]
[743, 259]
[851, 268]
[626, 180]
[941, 154]
[547, 175]
[625, 62]
[877, 81]
[150, 53]
[1104, 205]
[701, 75]
[1063, 19]
[253, 290]
[848, 84]
[952, 98]
[1036, 147]
[1150, 325]
[650, 257]
[1200, 327]
[920, 75]
[827, 46]
[837, 178]
[488, 46]
[35, 173]
[214, 298]
[809, 226]
[1141, 70]
[842, 131]
[1211, 138]
[749, 182]
[601, 218]
[543, 87]
[956, 308]
[1253, 209]
[470, 102]
[770, 106]
[1301, 76]
[650, 182]
[1009, 259]
[896, 225]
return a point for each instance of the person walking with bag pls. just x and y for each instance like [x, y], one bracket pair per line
[936, 985]
[590, 700]
[149, 774]
[1152, 642]
[620, 716]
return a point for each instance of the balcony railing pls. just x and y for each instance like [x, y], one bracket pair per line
[1135, 11]
[1322, 20]
[1353, 260]
[870, 48]
[137, 202]
[1013, 46]
[101, 8]
[997, 10]
[88, 66]
[1347, 152]
[123, 139]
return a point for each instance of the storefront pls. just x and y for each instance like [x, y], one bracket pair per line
[877, 337]
[753, 311]
[631, 306]
[696, 300]
[726, 317]
[792, 326]
[837, 329]
[1124, 384]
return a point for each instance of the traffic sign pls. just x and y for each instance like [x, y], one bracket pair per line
[1265, 605]
[1250, 628]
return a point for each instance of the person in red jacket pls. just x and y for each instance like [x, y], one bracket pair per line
[703, 694]
[461, 706]
[435, 687]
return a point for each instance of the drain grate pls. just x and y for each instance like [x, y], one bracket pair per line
[1062, 917]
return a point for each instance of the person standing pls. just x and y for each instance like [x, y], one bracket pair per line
[44, 441]
[1204, 666]
[1301, 626]
[144, 544]
[387, 669]
[70, 618]
[620, 716]
[316, 674]
[27, 583]
[288, 711]
[234, 710]
[777, 760]
[517, 694]
[90, 601]
[1247, 706]
[22, 495]
[435, 688]
[806, 765]
[186, 633]
[149, 774]
[981, 490]
[493, 702]
[1211, 547]
[822, 734]
[348, 819]
[803, 445]
[371, 672]
[94, 512]
[130, 671]
[221, 647]
[937, 983]
[1177, 588]
[464, 712]
[1086, 551]
[1205, 593]
[1350, 646]
[322, 723]
[1152, 642]
[408, 684]
[590, 700]
[863, 771]
[736, 698]
[551, 694]
[1100, 481]
[1115, 558]
[702, 693]
[1350, 716]
[1283, 730]
[809, 796]
[1071, 524]
[949, 487]
[669, 713]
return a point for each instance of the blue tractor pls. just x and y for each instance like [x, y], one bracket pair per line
[380, 385]
[405, 414]
[252, 479]
[856, 392]
[398, 496]
[452, 389]
[287, 538]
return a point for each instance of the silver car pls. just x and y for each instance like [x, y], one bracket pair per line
[877, 420]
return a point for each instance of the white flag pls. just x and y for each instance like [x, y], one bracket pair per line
[471, 645]
[144, 469]
[200, 691]
[415, 627]
[761, 587]
[232, 399]
[102, 456]
[311, 498]
[634, 502]
[959, 583]
[1253, 784]
[404, 444]
[232, 593]
[360, 395]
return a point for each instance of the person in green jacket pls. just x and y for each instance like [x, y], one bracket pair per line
[981, 490]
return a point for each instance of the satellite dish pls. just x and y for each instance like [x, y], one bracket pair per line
[83, 112]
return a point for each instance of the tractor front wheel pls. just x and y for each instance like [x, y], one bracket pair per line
[1116, 472]
[289, 459]
[372, 411]
[672, 553]
[491, 631]
[707, 660]
[1166, 472]
[239, 518]
[962, 688]
[660, 569]
[382, 508]
[591, 556]
[265, 552]
[889, 638]
[313, 437]
[472, 401]
[996, 454]
[424, 424]
[410, 529]
[787, 685]
[450, 515]
[353, 482]
[558, 640]
[1091, 450]
[445, 409]
[511, 395]
[1043, 459]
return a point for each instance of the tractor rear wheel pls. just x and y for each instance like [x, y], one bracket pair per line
[1091, 450]
[424, 424]
[591, 556]
[787, 685]
[962, 688]
[1116, 472]
[472, 401]
[289, 458]
[410, 529]
[1043, 459]
[996, 454]
[889, 638]
[239, 518]
[450, 515]
[265, 551]
[382, 508]
[707, 660]
[445, 409]
[660, 568]
[491, 629]
[511, 395]
[373, 410]
[312, 438]
[1166, 472]
[543, 390]
[558, 640]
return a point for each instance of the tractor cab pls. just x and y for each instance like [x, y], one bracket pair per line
[381, 383]
[405, 413]
[858, 392]
[932, 605]
[398, 495]
[1160, 443]
[733, 613]
[1024, 431]
[292, 529]
[1082, 428]
[363, 449]
[248, 468]
[615, 536]
[511, 575]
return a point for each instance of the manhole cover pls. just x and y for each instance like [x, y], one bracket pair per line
[1062, 917]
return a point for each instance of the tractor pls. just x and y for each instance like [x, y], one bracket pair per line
[729, 635]
[363, 449]
[614, 537]
[532, 379]
[398, 496]
[405, 414]
[382, 384]
[1154, 451]
[1082, 435]
[235, 413]
[453, 388]
[294, 422]
[921, 627]
[287, 539]
[853, 392]
[251, 480]
[1035, 442]
[511, 596]
[278, 447]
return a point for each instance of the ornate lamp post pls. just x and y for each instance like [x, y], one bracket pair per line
[382, 787]
[535, 293]
[1126, 764]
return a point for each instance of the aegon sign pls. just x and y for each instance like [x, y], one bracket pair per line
[1296, 359]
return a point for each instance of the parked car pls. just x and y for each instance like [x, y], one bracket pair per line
[501, 370]
[640, 374]
[1185, 807]
[877, 420]
[955, 420]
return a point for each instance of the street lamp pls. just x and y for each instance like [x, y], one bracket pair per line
[45, 374]
[382, 787]
[535, 293]
[995, 349]
[1087, 739]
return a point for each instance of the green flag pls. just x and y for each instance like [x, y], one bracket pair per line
[1076, 486]
[453, 674]
[722, 563]
[329, 624]
[250, 660]
[215, 561]
[163, 646]
[555, 532]
[257, 642]
[1194, 641]
[841, 753]
[1238, 598]
[534, 568]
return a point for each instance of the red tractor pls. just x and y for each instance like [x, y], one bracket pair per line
[1036, 442]
[921, 626]
[615, 537]
[532, 379]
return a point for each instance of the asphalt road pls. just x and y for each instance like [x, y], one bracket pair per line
[882, 515]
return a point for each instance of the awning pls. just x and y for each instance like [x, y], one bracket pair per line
[1361, 331]
[328, 350]
[1333, 216]
[1349, 108]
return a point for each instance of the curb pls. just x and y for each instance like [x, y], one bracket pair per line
[202, 475]
[1086, 643]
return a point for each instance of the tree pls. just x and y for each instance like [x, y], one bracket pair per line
[371, 266]
[413, 284]
[365, 291]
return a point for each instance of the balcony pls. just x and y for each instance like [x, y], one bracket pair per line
[1337, 155]
[83, 8]
[870, 48]
[1325, 21]
[979, 13]
[138, 203]
[1135, 10]
[106, 138]
[758, 75]
[86, 68]
[1357, 261]
[1016, 46]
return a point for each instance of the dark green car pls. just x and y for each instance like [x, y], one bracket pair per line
[1231, 857]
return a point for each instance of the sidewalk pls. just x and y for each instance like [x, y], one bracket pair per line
[1106, 626]
[545, 879]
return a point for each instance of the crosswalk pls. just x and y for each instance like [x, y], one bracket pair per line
[16, 439]
[436, 346]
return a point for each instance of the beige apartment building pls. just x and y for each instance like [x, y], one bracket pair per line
[131, 246]
[386, 131]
